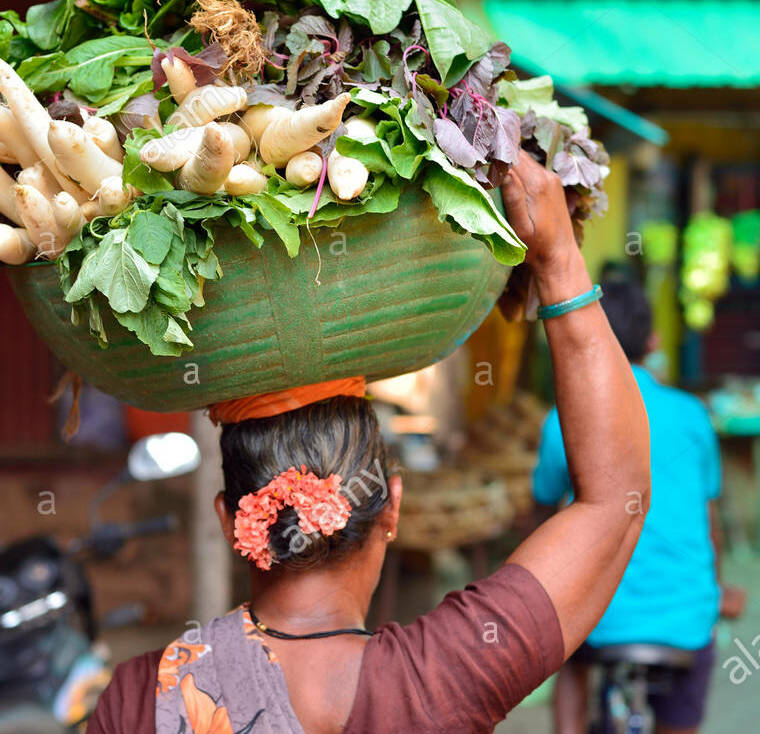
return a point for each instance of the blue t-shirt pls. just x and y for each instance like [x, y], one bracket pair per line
[669, 594]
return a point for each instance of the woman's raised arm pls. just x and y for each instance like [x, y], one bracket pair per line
[580, 554]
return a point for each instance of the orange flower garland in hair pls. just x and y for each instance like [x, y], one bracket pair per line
[319, 504]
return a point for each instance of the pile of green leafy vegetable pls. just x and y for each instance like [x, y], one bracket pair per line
[451, 118]
[97, 49]
[150, 262]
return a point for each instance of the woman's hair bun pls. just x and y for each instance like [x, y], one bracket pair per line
[337, 436]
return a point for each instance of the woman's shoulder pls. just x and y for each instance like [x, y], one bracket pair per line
[465, 664]
[128, 704]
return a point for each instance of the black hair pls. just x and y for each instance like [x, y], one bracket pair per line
[336, 436]
[629, 314]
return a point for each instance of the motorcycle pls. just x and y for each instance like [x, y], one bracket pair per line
[52, 668]
[629, 675]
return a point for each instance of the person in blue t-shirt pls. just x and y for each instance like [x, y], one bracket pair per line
[670, 593]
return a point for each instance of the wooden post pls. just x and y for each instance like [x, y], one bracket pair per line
[212, 557]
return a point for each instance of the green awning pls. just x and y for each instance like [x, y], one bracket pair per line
[672, 43]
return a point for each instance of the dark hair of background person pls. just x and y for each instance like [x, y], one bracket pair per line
[337, 436]
[629, 314]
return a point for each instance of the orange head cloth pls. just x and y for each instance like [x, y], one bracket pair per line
[274, 403]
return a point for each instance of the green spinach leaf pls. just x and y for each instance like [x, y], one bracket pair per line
[455, 42]
[122, 275]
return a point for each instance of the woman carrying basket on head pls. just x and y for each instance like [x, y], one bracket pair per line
[309, 502]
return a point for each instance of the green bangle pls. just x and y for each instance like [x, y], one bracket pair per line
[571, 304]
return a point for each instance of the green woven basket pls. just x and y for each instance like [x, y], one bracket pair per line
[400, 292]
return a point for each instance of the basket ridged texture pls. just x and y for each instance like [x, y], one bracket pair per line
[400, 292]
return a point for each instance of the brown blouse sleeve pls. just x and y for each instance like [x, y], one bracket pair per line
[128, 704]
[464, 665]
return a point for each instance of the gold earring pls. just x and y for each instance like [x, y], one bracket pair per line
[389, 535]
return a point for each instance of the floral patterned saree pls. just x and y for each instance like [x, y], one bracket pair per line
[224, 681]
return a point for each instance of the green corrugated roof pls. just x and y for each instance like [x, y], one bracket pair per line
[673, 43]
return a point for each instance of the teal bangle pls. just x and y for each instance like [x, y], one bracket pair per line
[571, 304]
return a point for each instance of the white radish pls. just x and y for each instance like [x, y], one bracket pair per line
[206, 103]
[282, 139]
[39, 177]
[68, 214]
[348, 176]
[78, 156]
[361, 128]
[15, 246]
[173, 150]
[104, 135]
[240, 140]
[179, 76]
[244, 179]
[256, 119]
[207, 170]
[114, 197]
[6, 155]
[92, 208]
[7, 200]
[304, 169]
[34, 122]
[37, 215]
[13, 138]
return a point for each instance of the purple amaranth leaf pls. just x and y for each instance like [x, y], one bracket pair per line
[572, 198]
[272, 94]
[480, 126]
[582, 140]
[205, 66]
[576, 170]
[141, 111]
[213, 57]
[455, 145]
[312, 67]
[159, 76]
[506, 142]
[296, 59]
[66, 109]
[270, 22]
[421, 115]
[480, 77]
[528, 125]
[367, 85]
[497, 174]
[345, 37]
[310, 90]
[316, 25]
[500, 55]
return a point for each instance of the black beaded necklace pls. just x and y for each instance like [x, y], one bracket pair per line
[311, 636]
